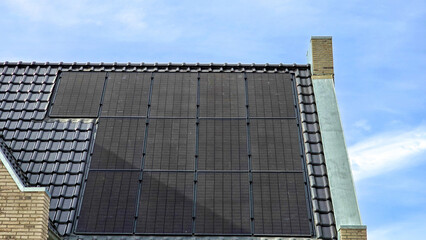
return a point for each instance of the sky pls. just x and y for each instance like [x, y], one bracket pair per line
[379, 57]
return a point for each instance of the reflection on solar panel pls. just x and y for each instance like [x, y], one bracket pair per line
[78, 95]
[275, 144]
[171, 144]
[223, 203]
[270, 95]
[222, 95]
[280, 204]
[109, 204]
[119, 144]
[222, 145]
[166, 203]
[174, 95]
[126, 94]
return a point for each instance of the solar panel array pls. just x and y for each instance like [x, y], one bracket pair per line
[190, 154]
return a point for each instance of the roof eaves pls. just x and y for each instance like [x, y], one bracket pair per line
[120, 237]
[53, 232]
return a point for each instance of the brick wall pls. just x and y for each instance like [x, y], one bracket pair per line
[23, 215]
[322, 57]
[353, 233]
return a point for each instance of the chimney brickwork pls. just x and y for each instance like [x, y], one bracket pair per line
[322, 57]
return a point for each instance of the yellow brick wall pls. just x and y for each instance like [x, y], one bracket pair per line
[353, 234]
[23, 215]
[322, 57]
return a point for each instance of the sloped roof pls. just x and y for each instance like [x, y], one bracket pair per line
[54, 150]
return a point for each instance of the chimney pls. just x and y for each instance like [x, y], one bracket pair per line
[345, 204]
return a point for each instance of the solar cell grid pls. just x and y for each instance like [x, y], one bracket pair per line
[170, 144]
[126, 94]
[78, 95]
[222, 95]
[174, 95]
[166, 203]
[109, 203]
[223, 203]
[275, 144]
[279, 204]
[118, 144]
[270, 95]
[222, 145]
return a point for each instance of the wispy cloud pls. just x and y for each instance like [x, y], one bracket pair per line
[58, 13]
[410, 228]
[386, 152]
[363, 124]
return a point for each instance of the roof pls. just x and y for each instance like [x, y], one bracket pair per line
[52, 145]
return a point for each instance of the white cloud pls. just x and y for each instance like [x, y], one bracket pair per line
[386, 152]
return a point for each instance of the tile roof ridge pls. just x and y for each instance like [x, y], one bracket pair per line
[156, 64]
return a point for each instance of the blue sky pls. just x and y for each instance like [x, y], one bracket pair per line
[380, 69]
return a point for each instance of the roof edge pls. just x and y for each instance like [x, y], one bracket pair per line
[17, 179]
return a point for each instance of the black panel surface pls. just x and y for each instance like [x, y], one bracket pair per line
[118, 144]
[270, 95]
[171, 144]
[280, 204]
[174, 95]
[275, 144]
[166, 203]
[126, 94]
[222, 145]
[109, 203]
[79, 94]
[222, 95]
[223, 203]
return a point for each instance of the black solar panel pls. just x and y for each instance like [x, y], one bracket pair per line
[223, 203]
[174, 95]
[171, 144]
[163, 202]
[126, 94]
[222, 95]
[166, 203]
[275, 144]
[78, 95]
[222, 145]
[270, 95]
[109, 203]
[280, 204]
[119, 144]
